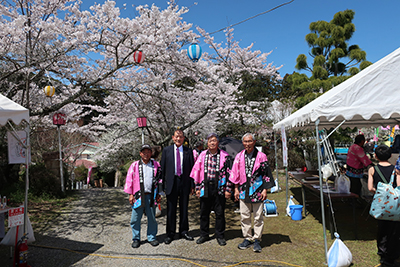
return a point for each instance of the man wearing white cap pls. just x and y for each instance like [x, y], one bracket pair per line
[141, 184]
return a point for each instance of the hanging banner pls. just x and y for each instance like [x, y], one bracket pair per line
[16, 151]
[284, 148]
[89, 176]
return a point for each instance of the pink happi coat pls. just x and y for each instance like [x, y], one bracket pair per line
[238, 174]
[197, 172]
[132, 183]
[195, 155]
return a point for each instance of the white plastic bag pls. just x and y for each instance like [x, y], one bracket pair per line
[326, 171]
[339, 255]
[290, 203]
[9, 239]
[342, 184]
[276, 188]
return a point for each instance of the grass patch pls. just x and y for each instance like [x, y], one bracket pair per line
[45, 208]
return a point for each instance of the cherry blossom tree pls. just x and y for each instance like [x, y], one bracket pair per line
[87, 55]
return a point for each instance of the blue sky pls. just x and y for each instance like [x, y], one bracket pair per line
[283, 30]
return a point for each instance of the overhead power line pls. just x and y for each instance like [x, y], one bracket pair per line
[262, 13]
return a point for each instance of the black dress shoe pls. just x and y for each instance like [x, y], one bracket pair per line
[154, 243]
[221, 241]
[168, 240]
[202, 239]
[187, 237]
[136, 243]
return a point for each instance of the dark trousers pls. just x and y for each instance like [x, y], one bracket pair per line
[206, 205]
[181, 192]
[388, 240]
[355, 185]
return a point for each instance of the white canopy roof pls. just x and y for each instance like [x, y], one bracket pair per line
[11, 111]
[370, 98]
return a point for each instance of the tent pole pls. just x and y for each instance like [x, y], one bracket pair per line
[321, 189]
[276, 162]
[27, 156]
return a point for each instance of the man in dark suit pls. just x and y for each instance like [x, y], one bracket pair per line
[176, 163]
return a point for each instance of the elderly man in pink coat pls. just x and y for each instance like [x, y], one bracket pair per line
[142, 181]
[252, 177]
[212, 187]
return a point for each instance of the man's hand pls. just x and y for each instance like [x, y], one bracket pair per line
[228, 195]
[237, 194]
[197, 193]
[131, 199]
[264, 195]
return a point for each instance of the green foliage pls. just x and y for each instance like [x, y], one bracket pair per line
[304, 100]
[43, 181]
[258, 88]
[332, 57]
[342, 136]
[81, 173]
[365, 64]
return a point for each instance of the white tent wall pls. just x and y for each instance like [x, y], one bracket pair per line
[13, 112]
[369, 98]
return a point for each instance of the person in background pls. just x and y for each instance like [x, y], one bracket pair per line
[252, 177]
[199, 146]
[210, 177]
[176, 163]
[356, 162]
[369, 148]
[142, 181]
[388, 238]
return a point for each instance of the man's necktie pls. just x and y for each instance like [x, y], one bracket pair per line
[178, 162]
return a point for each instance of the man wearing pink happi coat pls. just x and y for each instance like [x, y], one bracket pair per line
[252, 177]
[210, 174]
[142, 181]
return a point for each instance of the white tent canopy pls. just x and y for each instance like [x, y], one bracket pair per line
[370, 98]
[11, 111]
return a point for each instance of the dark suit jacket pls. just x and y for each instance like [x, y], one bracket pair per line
[168, 169]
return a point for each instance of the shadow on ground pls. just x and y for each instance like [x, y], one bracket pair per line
[44, 254]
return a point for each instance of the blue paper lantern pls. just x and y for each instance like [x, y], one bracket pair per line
[194, 52]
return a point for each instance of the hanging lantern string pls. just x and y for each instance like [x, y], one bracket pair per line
[262, 13]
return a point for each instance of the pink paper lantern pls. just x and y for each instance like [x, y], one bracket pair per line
[142, 122]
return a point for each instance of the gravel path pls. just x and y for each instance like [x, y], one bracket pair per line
[95, 231]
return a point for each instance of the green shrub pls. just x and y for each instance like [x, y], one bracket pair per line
[43, 181]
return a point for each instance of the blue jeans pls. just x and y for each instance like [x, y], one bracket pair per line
[151, 219]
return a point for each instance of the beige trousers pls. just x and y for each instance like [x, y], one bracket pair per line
[245, 219]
